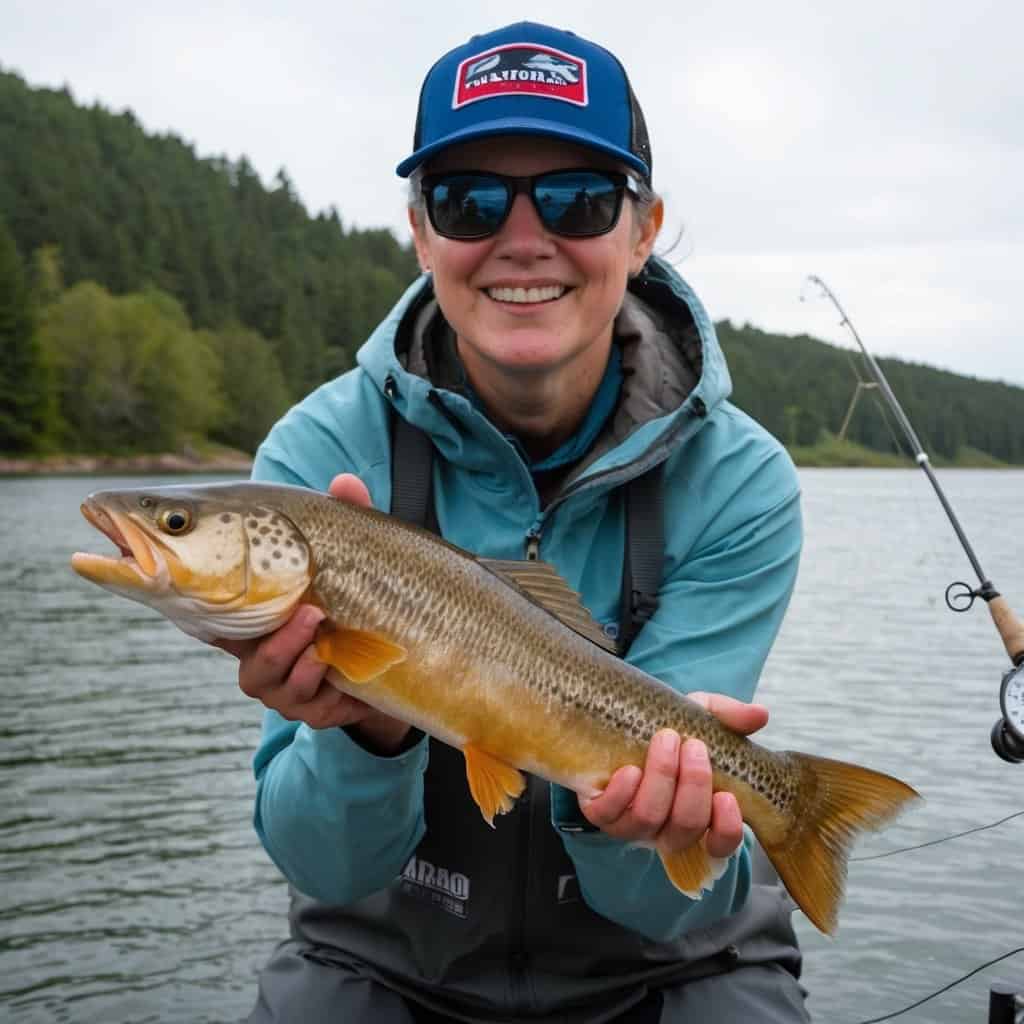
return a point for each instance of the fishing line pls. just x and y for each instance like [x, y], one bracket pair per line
[935, 842]
[952, 984]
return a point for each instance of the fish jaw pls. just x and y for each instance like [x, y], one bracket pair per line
[200, 604]
[141, 569]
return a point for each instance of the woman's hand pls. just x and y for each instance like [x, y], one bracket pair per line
[670, 801]
[282, 671]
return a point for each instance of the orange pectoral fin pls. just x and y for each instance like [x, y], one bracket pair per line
[693, 870]
[358, 655]
[493, 783]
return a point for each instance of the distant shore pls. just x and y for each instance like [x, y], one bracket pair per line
[143, 465]
[828, 453]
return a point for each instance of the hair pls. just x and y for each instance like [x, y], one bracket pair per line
[645, 198]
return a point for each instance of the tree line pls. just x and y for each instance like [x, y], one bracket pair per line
[801, 388]
[150, 298]
[135, 211]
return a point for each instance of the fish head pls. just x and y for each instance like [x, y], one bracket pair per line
[214, 560]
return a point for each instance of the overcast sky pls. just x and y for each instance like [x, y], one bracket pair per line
[879, 145]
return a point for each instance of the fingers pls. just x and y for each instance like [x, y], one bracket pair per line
[653, 806]
[726, 832]
[671, 802]
[670, 798]
[690, 813]
[605, 810]
[266, 668]
[737, 715]
[348, 487]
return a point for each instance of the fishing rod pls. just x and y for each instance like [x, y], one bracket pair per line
[1008, 732]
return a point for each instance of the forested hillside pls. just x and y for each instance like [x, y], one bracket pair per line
[131, 211]
[799, 387]
[152, 299]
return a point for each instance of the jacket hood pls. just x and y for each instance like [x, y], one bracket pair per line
[678, 360]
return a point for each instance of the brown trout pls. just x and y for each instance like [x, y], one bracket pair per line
[496, 658]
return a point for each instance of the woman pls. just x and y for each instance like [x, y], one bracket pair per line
[550, 359]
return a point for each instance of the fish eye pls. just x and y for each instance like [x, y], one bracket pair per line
[176, 521]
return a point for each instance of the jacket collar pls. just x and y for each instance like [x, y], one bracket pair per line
[671, 359]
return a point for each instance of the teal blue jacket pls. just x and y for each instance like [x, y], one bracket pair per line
[341, 823]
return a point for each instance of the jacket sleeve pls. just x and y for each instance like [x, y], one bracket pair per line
[721, 606]
[338, 821]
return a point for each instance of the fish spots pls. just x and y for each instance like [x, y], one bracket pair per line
[225, 517]
[277, 554]
[252, 524]
[265, 565]
[256, 542]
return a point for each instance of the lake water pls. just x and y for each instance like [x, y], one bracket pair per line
[133, 886]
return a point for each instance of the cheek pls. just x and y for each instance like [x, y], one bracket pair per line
[454, 263]
[604, 263]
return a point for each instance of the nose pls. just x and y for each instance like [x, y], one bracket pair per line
[523, 237]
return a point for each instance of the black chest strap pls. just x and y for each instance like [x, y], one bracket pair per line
[644, 553]
[412, 462]
[412, 459]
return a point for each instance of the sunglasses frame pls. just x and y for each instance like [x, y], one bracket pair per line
[624, 184]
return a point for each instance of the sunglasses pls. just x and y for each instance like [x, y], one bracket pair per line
[580, 203]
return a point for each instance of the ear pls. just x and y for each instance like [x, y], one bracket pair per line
[644, 242]
[419, 240]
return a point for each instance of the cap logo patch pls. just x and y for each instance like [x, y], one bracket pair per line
[521, 69]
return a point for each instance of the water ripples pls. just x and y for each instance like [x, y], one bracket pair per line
[135, 888]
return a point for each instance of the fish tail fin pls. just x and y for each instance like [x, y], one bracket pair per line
[836, 803]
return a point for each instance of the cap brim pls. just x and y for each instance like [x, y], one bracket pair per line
[521, 126]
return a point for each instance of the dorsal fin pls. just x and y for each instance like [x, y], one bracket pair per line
[544, 586]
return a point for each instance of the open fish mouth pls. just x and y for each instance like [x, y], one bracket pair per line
[140, 563]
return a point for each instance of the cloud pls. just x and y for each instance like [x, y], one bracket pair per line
[879, 144]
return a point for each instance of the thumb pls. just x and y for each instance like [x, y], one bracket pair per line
[348, 487]
[736, 714]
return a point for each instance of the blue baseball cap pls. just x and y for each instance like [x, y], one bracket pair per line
[530, 79]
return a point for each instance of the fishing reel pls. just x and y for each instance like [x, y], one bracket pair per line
[1008, 732]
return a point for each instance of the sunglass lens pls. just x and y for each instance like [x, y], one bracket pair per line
[577, 203]
[468, 205]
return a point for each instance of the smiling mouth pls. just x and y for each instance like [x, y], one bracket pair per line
[523, 296]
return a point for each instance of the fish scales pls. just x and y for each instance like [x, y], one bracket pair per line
[474, 653]
[568, 673]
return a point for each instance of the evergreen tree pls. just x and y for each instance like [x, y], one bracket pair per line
[27, 410]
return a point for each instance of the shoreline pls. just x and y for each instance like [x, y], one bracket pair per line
[228, 461]
[101, 465]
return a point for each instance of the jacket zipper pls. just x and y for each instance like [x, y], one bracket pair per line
[536, 530]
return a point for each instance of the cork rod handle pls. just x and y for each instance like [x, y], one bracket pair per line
[1011, 629]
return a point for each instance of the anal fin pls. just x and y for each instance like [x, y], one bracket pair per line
[495, 784]
[693, 870]
[357, 654]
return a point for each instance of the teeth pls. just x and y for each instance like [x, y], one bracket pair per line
[545, 294]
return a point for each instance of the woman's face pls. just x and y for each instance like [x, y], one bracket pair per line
[585, 278]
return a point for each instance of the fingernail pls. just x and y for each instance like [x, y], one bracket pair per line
[311, 616]
[670, 742]
[696, 752]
